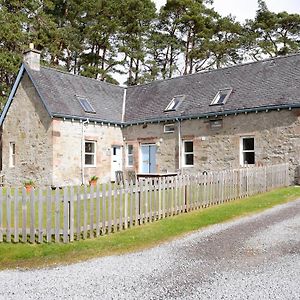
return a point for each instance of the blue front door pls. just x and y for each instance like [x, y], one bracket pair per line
[148, 158]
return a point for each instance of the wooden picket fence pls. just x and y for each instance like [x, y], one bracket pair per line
[75, 213]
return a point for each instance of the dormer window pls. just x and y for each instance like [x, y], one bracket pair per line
[86, 105]
[175, 102]
[221, 97]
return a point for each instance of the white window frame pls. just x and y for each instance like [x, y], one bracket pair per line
[90, 153]
[166, 126]
[173, 105]
[12, 154]
[242, 151]
[129, 155]
[185, 153]
[217, 97]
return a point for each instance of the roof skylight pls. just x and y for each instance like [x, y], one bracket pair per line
[175, 102]
[221, 97]
[86, 105]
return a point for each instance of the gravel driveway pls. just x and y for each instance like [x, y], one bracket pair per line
[256, 257]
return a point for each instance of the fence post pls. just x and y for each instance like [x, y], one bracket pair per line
[185, 184]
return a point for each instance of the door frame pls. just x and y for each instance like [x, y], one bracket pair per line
[112, 173]
[141, 155]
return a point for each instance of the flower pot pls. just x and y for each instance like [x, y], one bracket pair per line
[93, 182]
[28, 188]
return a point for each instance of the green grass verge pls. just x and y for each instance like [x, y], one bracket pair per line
[140, 237]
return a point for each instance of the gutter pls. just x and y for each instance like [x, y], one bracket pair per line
[73, 117]
[216, 114]
[183, 117]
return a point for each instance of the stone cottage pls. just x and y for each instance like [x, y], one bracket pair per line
[60, 129]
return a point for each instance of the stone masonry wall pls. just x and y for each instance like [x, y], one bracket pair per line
[277, 140]
[28, 125]
[67, 137]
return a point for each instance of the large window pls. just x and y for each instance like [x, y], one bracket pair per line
[90, 153]
[129, 155]
[188, 153]
[247, 151]
[12, 154]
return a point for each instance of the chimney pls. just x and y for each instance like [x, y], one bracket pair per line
[32, 58]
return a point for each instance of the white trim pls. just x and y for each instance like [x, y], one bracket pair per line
[12, 154]
[169, 125]
[216, 99]
[184, 165]
[93, 154]
[127, 156]
[242, 151]
[172, 106]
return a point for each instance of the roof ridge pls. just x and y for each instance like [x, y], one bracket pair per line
[218, 70]
[81, 76]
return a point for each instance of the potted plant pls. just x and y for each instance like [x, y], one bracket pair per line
[93, 180]
[29, 184]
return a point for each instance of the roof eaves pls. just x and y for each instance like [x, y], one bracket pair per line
[73, 117]
[215, 114]
[12, 94]
[37, 90]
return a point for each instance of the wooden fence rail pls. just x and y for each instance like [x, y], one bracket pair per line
[75, 213]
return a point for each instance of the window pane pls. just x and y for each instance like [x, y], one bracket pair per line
[86, 105]
[89, 147]
[189, 159]
[221, 98]
[188, 146]
[248, 144]
[89, 159]
[130, 149]
[130, 160]
[249, 158]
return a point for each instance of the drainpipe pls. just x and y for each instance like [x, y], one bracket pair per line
[82, 149]
[179, 145]
[124, 104]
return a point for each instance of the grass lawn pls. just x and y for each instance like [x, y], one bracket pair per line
[140, 237]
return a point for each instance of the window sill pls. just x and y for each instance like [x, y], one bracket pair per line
[188, 166]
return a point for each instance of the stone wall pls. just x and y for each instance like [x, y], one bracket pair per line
[277, 140]
[67, 139]
[50, 151]
[28, 125]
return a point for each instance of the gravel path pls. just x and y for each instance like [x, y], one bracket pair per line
[256, 257]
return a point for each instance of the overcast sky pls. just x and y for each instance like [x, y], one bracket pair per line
[242, 9]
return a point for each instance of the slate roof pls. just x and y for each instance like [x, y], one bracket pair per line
[265, 83]
[60, 91]
[271, 83]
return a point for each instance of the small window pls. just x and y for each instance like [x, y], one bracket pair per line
[175, 102]
[86, 105]
[90, 154]
[188, 153]
[130, 155]
[12, 154]
[247, 151]
[168, 128]
[221, 97]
